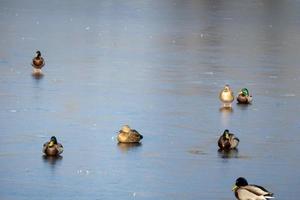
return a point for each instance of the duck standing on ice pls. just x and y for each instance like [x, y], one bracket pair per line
[226, 96]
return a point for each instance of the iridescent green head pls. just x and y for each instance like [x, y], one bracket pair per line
[245, 92]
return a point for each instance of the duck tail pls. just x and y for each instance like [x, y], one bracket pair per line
[269, 197]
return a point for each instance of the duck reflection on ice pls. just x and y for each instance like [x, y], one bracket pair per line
[225, 113]
[125, 147]
[52, 160]
[37, 75]
[233, 153]
[226, 109]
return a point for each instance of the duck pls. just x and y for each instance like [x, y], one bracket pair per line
[244, 191]
[128, 135]
[52, 147]
[38, 62]
[244, 97]
[228, 141]
[226, 96]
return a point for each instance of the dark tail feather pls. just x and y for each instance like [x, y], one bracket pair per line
[269, 195]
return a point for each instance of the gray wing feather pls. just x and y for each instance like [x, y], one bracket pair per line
[59, 148]
[257, 189]
[244, 194]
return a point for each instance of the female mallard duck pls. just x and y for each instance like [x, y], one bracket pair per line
[128, 135]
[243, 191]
[228, 141]
[244, 97]
[226, 96]
[52, 148]
[38, 62]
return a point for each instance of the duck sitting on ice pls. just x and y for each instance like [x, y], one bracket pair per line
[245, 191]
[38, 63]
[128, 135]
[52, 147]
[244, 97]
[228, 141]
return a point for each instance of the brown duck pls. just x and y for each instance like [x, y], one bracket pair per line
[128, 135]
[226, 96]
[228, 141]
[52, 147]
[38, 61]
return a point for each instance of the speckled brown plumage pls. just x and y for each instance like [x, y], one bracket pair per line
[38, 61]
[52, 147]
[128, 135]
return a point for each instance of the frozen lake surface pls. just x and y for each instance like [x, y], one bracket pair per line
[157, 66]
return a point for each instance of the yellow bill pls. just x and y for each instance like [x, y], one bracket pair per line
[234, 188]
[51, 143]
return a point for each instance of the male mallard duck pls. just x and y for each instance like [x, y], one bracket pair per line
[38, 62]
[52, 148]
[243, 191]
[128, 135]
[226, 96]
[228, 141]
[244, 97]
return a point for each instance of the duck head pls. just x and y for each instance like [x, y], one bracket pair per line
[126, 129]
[244, 92]
[52, 142]
[241, 181]
[38, 54]
[226, 134]
[226, 88]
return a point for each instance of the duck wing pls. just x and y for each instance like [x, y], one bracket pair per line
[221, 142]
[234, 141]
[244, 194]
[250, 98]
[59, 148]
[258, 190]
[134, 136]
[43, 62]
[45, 146]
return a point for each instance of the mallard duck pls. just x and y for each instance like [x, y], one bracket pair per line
[228, 141]
[244, 191]
[244, 97]
[38, 62]
[128, 135]
[226, 96]
[52, 148]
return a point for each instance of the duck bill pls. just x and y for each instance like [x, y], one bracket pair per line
[234, 188]
[51, 143]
